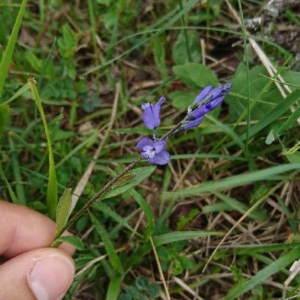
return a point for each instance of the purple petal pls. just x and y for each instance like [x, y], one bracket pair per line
[214, 103]
[144, 141]
[198, 113]
[193, 123]
[161, 158]
[204, 93]
[161, 100]
[159, 146]
[151, 114]
[206, 108]
[216, 92]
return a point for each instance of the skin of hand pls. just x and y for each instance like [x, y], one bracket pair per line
[31, 269]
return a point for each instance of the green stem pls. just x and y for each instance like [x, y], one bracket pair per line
[105, 189]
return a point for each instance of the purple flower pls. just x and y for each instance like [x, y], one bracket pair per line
[153, 151]
[206, 101]
[151, 114]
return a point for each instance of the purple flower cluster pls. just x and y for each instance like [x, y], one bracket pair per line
[209, 98]
[206, 101]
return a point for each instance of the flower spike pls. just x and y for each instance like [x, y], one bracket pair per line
[206, 101]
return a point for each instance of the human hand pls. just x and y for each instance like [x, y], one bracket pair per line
[32, 270]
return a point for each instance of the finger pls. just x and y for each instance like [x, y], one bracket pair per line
[23, 229]
[42, 274]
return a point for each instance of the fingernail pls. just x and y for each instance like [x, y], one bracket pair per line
[50, 277]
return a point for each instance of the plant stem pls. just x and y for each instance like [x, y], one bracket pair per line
[105, 189]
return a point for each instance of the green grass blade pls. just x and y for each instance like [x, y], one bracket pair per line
[21, 91]
[114, 288]
[52, 181]
[5, 112]
[233, 181]
[11, 192]
[147, 211]
[242, 208]
[110, 249]
[45, 64]
[165, 27]
[262, 275]
[17, 173]
[280, 109]
[177, 236]
[227, 129]
[7, 56]
[109, 212]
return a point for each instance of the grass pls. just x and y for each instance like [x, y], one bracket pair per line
[220, 221]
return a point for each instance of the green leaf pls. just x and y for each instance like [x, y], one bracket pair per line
[242, 208]
[274, 113]
[233, 181]
[64, 209]
[21, 91]
[293, 154]
[294, 157]
[139, 175]
[290, 122]
[123, 180]
[195, 75]
[114, 288]
[68, 42]
[16, 171]
[181, 99]
[109, 247]
[187, 44]
[12, 194]
[105, 2]
[184, 220]
[75, 241]
[160, 57]
[7, 56]
[52, 182]
[264, 95]
[182, 236]
[5, 112]
[147, 211]
[264, 274]
[109, 212]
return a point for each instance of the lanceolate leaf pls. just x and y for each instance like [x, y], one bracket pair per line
[136, 176]
[63, 210]
[75, 241]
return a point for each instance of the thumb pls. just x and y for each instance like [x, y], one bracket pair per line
[42, 274]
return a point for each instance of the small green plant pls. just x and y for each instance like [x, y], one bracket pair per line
[142, 288]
